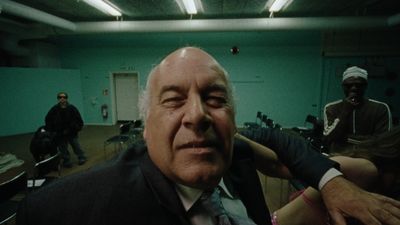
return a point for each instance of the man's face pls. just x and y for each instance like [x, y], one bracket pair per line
[62, 99]
[354, 87]
[190, 124]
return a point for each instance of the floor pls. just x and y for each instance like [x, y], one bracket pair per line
[92, 141]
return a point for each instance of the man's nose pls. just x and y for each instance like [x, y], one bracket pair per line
[197, 116]
[354, 87]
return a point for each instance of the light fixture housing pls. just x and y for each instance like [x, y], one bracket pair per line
[104, 6]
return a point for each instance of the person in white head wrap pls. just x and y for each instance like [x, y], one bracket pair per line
[355, 117]
[354, 84]
[355, 71]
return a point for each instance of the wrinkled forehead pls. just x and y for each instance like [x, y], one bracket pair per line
[188, 67]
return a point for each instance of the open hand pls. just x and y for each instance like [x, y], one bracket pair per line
[352, 201]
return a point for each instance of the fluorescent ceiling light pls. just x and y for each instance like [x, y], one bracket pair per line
[103, 6]
[190, 6]
[278, 5]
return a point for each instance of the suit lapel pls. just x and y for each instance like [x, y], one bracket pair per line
[163, 189]
[244, 179]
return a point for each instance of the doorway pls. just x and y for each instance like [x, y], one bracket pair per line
[126, 96]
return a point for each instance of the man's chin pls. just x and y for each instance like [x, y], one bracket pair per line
[201, 178]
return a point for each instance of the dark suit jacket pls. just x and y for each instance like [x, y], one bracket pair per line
[131, 190]
[302, 159]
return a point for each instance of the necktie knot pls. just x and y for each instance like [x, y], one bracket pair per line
[211, 201]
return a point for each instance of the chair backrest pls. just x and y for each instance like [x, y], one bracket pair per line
[125, 127]
[137, 123]
[44, 167]
[10, 188]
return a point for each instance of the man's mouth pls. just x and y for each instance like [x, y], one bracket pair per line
[200, 144]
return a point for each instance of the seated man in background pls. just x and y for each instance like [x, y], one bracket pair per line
[190, 164]
[354, 118]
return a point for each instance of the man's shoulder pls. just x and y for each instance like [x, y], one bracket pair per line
[114, 193]
[54, 107]
[92, 189]
[334, 103]
[71, 107]
[377, 103]
[100, 178]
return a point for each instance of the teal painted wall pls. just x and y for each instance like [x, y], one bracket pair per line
[274, 72]
[26, 95]
[280, 81]
[282, 74]
[96, 65]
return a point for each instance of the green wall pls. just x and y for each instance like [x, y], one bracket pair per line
[277, 73]
[26, 95]
[282, 74]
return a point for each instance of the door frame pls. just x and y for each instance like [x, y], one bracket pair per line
[113, 106]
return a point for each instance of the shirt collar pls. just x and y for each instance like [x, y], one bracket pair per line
[189, 195]
[225, 191]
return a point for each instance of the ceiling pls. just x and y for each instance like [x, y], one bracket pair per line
[22, 21]
[219, 15]
[79, 11]
[73, 21]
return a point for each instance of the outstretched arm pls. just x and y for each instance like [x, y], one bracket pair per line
[303, 161]
[266, 160]
[341, 197]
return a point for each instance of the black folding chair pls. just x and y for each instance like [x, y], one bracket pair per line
[129, 133]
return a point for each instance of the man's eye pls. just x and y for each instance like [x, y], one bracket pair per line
[172, 101]
[216, 101]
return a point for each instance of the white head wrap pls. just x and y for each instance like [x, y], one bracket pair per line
[355, 71]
